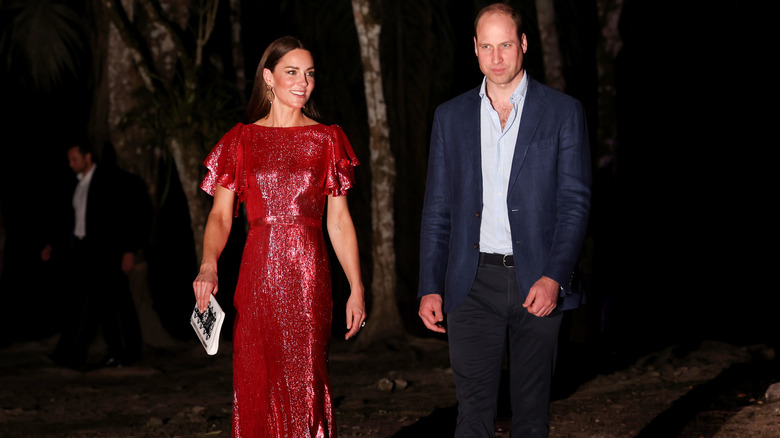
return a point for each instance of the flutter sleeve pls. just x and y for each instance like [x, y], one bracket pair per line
[341, 169]
[225, 164]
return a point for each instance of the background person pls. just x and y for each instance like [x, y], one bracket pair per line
[109, 225]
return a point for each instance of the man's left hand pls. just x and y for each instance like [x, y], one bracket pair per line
[543, 297]
[128, 262]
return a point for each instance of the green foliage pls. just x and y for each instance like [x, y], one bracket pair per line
[43, 42]
[194, 109]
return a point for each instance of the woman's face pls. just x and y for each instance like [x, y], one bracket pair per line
[292, 79]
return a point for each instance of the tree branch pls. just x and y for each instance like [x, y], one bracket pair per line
[132, 39]
[207, 18]
[152, 9]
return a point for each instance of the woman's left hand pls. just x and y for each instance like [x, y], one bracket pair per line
[356, 313]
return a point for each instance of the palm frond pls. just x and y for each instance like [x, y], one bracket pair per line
[44, 42]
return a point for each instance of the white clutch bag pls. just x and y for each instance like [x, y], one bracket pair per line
[208, 324]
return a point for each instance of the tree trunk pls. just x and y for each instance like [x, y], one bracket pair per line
[238, 49]
[551, 52]
[99, 130]
[384, 320]
[607, 50]
[188, 162]
[122, 78]
[166, 45]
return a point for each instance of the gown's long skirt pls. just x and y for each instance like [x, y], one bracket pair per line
[281, 336]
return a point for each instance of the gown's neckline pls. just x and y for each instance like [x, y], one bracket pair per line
[288, 127]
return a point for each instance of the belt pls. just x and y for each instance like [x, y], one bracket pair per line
[286, 220]
[505, 260]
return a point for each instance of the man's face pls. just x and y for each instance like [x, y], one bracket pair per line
[78, 162]
[499, 50]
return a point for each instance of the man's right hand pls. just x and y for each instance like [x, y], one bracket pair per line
[431, 312]
[46, 253]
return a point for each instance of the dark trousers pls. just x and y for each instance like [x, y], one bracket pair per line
[489, 321]
[100, 299]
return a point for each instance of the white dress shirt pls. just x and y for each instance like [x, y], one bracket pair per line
[80, 202]
[498, 148]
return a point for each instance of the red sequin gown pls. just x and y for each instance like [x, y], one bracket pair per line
[283, 295]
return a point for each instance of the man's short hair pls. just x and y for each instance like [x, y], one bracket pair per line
[500, 8]
[84, 148]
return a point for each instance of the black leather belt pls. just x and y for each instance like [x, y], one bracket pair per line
[506, 260]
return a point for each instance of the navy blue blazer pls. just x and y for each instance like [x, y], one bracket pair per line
[548, 198]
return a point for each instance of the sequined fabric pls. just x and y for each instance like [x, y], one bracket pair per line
[283, 295]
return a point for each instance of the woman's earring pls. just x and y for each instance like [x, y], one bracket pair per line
[269, 94]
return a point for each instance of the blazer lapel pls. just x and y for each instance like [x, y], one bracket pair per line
[472, 144]
[474, 140]
[533, 108]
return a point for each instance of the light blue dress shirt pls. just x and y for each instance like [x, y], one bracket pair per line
[498, 148]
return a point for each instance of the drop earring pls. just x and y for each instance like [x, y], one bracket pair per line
[269, 94]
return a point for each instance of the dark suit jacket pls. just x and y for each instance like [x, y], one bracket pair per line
[548, 198]
[118, 214]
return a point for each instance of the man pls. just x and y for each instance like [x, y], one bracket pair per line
[505, 214]
[107, 219]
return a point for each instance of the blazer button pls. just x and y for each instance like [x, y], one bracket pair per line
[477, 214]
[476, 246]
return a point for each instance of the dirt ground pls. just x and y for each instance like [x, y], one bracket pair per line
[398, 389]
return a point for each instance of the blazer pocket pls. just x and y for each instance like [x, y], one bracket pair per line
[542, 158]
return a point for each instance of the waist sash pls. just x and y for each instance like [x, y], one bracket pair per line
[286, 220]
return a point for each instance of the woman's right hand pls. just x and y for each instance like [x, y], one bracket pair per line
[205, 285]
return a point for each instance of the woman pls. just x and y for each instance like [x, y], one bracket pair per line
[284, 167]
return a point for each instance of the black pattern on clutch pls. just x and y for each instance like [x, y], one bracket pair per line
[207, 325]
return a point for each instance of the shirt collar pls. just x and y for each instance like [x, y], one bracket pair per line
[517, 96]
[88, 174]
